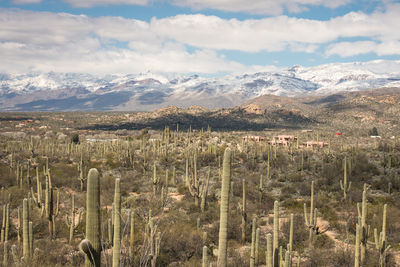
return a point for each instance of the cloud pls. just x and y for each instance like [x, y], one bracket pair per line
[348, 49]
[91, 3]
[22, 2]
[262, 7]
[64, 42]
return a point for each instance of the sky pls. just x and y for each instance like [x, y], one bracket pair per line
[205, 37]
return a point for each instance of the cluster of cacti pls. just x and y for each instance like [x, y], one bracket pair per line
[82, 171]
[152, 241]
[51, 206]
[174, 154]
[71, 222]
[6, 223]
[381, 241]
[311, 221]
[198, 188]
[255, 241]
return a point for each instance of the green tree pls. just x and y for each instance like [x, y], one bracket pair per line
[373, 132]
[75, 138]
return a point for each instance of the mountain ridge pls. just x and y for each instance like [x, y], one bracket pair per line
[76, 91]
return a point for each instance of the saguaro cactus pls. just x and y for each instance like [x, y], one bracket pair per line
[132, 234]
[6, 223]
[269, 254]
[343, 185]
[253, 243]
[357, 247]
[25, 229]
[91, 246]
[224, 208]
[312, 222]
[5, 254]
[275, 245]
[243, 212]
[70, 220]
[156, 179]
[364, 228]
[117, 224]
[257, 245]
[381, 242]
[205, 192]
[198, 189]
[290, 247]
[260, 189]
[204, 260]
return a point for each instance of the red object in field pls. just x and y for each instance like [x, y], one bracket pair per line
[338, 134]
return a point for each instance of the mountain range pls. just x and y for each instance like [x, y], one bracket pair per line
[52, 91]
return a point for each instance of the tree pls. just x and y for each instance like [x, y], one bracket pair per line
[75, 138]
[373, 132]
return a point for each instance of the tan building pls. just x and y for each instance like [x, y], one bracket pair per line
[311, 144]
[255, 138]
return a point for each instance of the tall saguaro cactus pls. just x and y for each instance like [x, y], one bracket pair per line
[224, 208]
[276, 233]
[364, 229]
[91, 246]
[343, 185]
[269, 254]
[253, 243]
[290, 247]
[117, 224]
[204, 259]
[25, 229]
[310, 222]
[357, 247]
[243, 212]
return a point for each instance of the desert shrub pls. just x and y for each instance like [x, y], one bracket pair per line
[295, 177]
[180, 242]
[363, 170]
[342, 257]
[322, 241]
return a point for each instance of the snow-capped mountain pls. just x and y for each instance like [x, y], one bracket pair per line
[74, 91]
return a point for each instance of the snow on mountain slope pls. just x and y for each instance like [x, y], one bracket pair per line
[149, 90]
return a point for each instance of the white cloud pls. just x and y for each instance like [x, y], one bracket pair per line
[65, 42]
[265, 7]
[348, 49]
[91, 3]
[22, 2]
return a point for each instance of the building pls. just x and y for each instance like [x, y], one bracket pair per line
[255, 138]
[311, 144]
